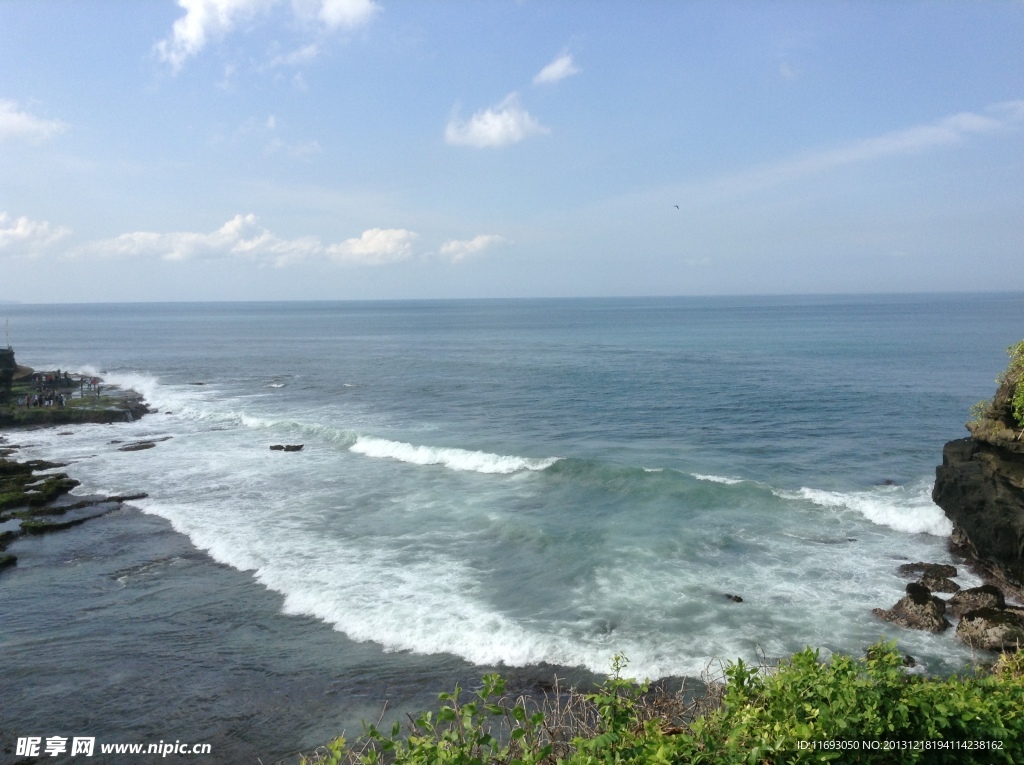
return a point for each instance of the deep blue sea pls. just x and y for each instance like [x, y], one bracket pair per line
[519, 483]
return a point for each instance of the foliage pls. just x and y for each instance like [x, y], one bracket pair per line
[1015, 372]
[802, 711]
[982, 410]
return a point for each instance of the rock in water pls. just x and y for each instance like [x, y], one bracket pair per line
[939, 584]
[931, 570]
[917, 610]
[976, 598]
[991, 629]
[980, 487]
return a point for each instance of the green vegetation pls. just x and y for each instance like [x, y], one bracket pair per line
[802, 711]
[1001, 421]
[1013, 375]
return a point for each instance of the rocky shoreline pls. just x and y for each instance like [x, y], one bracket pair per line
[34, 500]
[980, 487]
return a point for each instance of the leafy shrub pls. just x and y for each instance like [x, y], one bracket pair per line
[802, 711]
[1015, 371]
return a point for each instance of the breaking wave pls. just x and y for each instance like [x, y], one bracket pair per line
[455, 459]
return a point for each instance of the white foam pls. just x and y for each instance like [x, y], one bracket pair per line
[455, 459]
[717, 479]
[910, 510]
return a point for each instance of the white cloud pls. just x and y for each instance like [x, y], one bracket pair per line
[501, 125]
[302, 55]
[18, 125]
[375, 247]
[559, 69]
[244, 238]
[456, 250]
[346, 13]
[947, 131]
[302, 150]
[22, 236]
[207, 20]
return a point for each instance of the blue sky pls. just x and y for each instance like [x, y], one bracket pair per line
[370, 149]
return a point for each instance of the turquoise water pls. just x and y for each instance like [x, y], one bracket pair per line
[517, 483]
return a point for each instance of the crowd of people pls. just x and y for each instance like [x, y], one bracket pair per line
[51, 389]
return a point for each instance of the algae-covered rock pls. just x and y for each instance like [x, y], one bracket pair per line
[917, 610]
[933, 570]
[991, 629]
[976, 598]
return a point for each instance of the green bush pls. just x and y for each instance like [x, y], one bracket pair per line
[1015, 371]
[802, 711]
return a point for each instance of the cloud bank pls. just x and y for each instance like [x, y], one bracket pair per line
[28, 237]
[244, 238]
[501, 125]
[18, 125]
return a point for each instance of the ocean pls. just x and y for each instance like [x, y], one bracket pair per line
[531, 485]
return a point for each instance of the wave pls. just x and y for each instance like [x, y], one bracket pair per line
[717, 479]
[909, 510]
[455, 459]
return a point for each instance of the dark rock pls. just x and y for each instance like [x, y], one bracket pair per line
[137, 447]
[936, 570]
[991, 629]
[939, 584]
[976, 598]
[909, 661]
[918, 593]
[734, 598]
[918, 610]
[6, 560]
[980, 487]
[287, 447]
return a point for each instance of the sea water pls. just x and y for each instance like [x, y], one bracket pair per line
[494, 483]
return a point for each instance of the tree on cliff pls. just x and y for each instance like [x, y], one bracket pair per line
[1013, 377]
[998, 421]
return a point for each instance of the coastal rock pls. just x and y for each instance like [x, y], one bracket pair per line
[286, 447]
[927, 570]
[939, 584]
[917, 610]
[980, 487]
[138, 446]
[975, 598]
[991, 629]
[734, 598]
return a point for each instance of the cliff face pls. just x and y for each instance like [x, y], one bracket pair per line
[980, 486]
[980, 483]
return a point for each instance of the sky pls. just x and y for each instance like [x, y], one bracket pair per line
[373, 149]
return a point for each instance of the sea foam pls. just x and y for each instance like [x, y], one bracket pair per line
[910, 510]
[455, 459]
[717, 479]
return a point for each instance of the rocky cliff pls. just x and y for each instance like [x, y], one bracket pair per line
[980, 484]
